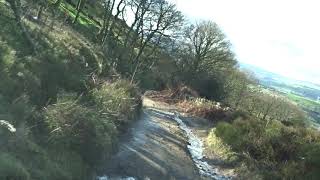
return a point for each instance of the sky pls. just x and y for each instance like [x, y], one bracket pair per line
[281, 36]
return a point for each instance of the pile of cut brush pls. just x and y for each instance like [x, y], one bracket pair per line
[205, 108]
[173, 96]
[189, 101]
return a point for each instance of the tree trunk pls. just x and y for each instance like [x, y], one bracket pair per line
[109, 31]
[16, 8]
[135, 72]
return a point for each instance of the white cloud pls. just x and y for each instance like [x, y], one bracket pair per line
[282, 36]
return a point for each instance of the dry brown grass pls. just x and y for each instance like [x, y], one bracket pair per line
[205, 110]
[187, 100]
[173, 95]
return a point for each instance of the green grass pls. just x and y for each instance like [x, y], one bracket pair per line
[83, 19]
[306, 102]
[308, 105]
[71, 11]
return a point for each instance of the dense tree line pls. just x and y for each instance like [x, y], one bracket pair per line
[137, 34]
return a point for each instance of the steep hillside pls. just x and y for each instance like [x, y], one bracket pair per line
[54, 121]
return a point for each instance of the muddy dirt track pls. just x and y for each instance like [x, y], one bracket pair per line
[155, 148]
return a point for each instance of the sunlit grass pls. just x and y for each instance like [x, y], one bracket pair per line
[83, 19]
[219, 148]
[71, 11]
[303, 101]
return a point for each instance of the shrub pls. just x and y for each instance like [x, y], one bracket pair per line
[118, 101]
[81, 129]
[207, 85]
[274, 150]
[310, 153]
[219, 148]
[72, 140]
[228, 133]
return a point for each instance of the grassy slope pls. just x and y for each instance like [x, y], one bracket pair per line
[312, 107]
[71, 11]
[303, 101]
[64, 46]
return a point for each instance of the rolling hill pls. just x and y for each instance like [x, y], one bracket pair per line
[305, 94]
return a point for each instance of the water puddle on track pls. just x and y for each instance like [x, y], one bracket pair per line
[195, 147]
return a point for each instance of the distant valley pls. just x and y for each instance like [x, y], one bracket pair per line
[305, 94]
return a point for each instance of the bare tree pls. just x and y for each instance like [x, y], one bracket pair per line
[108, 6]
[208, 46]
[130, 41]
[112, 20]
[157, 22]
[237, 87]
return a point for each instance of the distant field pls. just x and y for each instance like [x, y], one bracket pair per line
[306, 102]
[304, 94]
[311, 107]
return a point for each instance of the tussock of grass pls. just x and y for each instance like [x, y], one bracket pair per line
[119, 100]
[218, 148]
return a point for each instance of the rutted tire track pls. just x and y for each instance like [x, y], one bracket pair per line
[195, 148]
